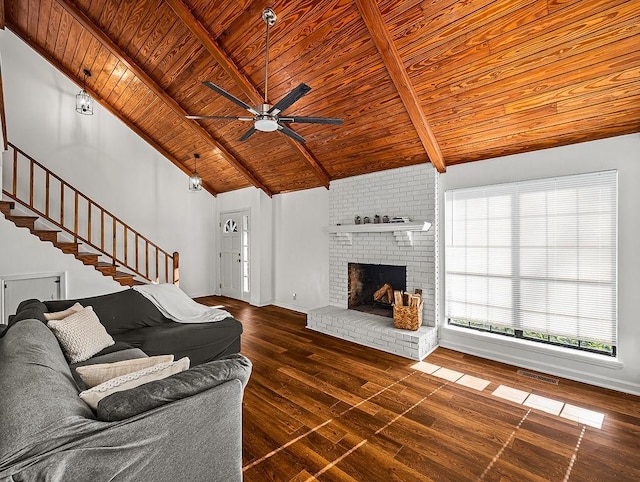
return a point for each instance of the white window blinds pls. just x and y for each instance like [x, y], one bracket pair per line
[535, 256]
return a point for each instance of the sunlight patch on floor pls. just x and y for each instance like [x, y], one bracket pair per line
[447, 374]
[582, 415]
[538, 402]
[425, 367]
[473, 382]
[511, 394]
[544, 404]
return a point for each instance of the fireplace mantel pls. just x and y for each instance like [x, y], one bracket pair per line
[402, 231]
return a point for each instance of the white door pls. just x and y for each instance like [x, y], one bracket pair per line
[17, 290]
[234, 254]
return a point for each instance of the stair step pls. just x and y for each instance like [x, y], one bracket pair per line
[68, 248]
[106, 269]
[88, 258]
[6, 207]
[23, 221]
[46, 235]
[125, 279]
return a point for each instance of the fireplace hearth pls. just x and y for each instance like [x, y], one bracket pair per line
[371, 287]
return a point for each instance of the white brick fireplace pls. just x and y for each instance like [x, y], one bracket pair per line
[408, 192]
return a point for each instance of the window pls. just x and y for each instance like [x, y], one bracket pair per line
[230, 226]
[536, 260]
[245, 254]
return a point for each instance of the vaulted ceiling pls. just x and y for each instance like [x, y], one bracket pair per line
[437, 81]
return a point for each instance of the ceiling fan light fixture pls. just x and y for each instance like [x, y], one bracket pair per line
[195, 181]
[266, 124]
[84, 102]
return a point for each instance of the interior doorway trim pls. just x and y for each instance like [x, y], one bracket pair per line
[62, 275]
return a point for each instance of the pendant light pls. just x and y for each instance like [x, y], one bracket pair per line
[195, 181]
[84, 102]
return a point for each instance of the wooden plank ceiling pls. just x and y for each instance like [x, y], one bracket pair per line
[436, 81]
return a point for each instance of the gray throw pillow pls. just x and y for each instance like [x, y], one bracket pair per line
[125, 404]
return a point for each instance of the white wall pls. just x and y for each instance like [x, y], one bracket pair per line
[301, 255]
[621, 153]
[107, 161]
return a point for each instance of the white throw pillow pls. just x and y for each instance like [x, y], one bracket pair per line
[58, 315]
[81, 335]
[132, 380]
[93, 375]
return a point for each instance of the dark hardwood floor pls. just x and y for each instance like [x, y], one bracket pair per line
[319, 408]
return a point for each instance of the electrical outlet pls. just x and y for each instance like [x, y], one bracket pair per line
[294, 296]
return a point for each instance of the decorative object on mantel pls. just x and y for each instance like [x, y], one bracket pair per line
[366, 220]
[357, 220]
[195, 181]
[376, 219]
[400, 219]
[385, 219]
[407, 310]
[84, 102]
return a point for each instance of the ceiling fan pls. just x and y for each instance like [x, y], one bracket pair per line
[267, 117]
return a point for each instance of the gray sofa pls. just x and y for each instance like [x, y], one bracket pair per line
[48, 433]
[133, 321]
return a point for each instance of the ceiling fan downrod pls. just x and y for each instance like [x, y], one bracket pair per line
[269, 17]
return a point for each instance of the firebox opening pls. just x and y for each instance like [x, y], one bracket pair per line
[371, 287]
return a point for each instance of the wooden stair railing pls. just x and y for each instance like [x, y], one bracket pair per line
[85, 220]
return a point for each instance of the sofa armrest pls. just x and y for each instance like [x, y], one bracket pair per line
[196, 438]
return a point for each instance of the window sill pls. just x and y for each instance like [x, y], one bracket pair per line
[534, 347]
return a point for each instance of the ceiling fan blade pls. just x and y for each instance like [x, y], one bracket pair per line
[290, 98]
[312, 120]
[219, 117]
[285, 130]
[232, 98]
[247, 134]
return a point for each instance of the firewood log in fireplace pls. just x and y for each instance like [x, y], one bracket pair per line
[382, 294]
[390, 294]
[397, 295]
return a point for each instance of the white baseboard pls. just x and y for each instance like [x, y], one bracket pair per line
[287, 306]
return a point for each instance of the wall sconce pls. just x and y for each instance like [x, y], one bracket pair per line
[195, 181]
[84, 102]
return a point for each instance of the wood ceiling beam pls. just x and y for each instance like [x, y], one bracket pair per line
[241, 80]
[86, 23]
[30, 41]
[391, 58]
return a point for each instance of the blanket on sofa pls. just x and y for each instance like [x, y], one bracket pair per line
[176, 305]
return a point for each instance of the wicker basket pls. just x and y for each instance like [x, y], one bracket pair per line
[408, 317]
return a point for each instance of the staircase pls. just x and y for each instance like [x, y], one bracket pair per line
[118, 251]
[91, 259]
